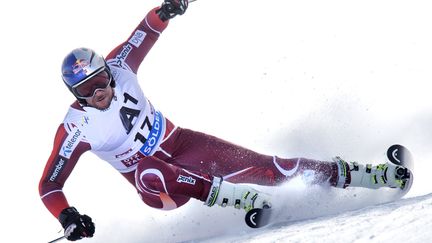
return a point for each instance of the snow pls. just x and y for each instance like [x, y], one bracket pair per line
[312, 214]
[398, 221]
[293, 78]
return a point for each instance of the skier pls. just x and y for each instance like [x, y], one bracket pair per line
[167, 164]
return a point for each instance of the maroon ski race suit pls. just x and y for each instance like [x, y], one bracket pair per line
[187, 161]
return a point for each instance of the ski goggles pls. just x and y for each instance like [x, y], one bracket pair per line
[88, 87]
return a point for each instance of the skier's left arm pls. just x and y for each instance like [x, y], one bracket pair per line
[130, 54]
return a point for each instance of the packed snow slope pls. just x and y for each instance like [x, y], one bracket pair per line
[302, 214]
[408, 220]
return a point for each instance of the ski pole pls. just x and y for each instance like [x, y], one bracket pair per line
[58, 239]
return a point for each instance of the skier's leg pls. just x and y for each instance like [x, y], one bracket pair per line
[161, 185]
[164, 186]
[371, 176]
[208, 154]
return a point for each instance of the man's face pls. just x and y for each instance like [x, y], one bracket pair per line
[101, 99]
[97, 91]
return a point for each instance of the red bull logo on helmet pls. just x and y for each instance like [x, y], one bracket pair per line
[80, 66]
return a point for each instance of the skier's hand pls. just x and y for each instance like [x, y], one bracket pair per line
[171, 8]
[76, 226]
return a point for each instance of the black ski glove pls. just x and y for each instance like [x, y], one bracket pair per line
[76, 226]
[172, 8]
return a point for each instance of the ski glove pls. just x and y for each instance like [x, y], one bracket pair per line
[171, 8]
[76, 226]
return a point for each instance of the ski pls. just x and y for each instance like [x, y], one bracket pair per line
[258, 217]
[400, 155]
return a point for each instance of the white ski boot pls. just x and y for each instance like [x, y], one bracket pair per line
[224, 194]
[369, 176]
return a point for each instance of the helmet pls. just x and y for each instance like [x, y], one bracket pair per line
[80, 65]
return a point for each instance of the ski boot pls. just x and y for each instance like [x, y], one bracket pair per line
[373, 177]
[239, 196]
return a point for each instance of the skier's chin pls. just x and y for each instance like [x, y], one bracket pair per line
[102, 107]
[102, 102]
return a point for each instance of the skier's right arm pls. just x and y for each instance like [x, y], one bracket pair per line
[130, 53]
[67, 149]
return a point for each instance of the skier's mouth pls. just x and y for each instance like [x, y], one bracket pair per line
[101, 98]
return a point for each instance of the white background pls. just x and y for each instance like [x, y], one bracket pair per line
[292, 78]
